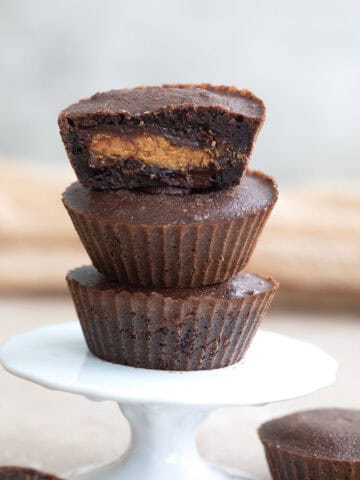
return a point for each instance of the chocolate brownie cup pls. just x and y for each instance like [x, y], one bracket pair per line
[182, 136]
[321, 444]
[171, 329]
[19, 473]
[171, 240]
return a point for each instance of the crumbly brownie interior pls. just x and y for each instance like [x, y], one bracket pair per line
[196, 145]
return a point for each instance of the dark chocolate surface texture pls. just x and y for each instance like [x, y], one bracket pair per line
[192, 137]
[255, 193]
[243, 285]
[331, 434]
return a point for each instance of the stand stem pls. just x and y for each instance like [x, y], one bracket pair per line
[163, 446]
[164, 437]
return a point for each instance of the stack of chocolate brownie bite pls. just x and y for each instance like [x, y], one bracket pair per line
[169, 215]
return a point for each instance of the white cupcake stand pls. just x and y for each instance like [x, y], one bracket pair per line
[165, 408]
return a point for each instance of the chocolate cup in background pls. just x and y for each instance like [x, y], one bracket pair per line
[20, 473]
[285, 465]
[313, 445]
[168, 241]
[170, 329]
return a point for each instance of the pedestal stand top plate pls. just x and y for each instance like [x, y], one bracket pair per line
[275, 368]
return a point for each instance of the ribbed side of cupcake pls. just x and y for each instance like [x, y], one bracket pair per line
[158, 332]
[180, 256]
[19, 473]
[289, 466]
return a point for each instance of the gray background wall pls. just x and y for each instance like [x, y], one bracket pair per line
[302, 58]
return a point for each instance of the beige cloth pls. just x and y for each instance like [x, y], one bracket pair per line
[38, 244]
[31, 213]
[311, 243]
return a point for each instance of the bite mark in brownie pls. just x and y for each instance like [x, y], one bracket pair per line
[193, 137]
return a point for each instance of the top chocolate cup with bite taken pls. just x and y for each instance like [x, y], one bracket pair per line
[192, 137]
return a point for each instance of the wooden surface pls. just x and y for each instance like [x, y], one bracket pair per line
[59, 432]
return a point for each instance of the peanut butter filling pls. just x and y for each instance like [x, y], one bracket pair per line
[151, 149]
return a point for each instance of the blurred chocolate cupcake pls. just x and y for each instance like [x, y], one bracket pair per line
[166, 240]
[19, 473]
[321, 444]
[172, 329]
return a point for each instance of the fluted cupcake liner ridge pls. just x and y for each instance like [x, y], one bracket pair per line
[166, 256]
[150, 330]
[286, 465]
